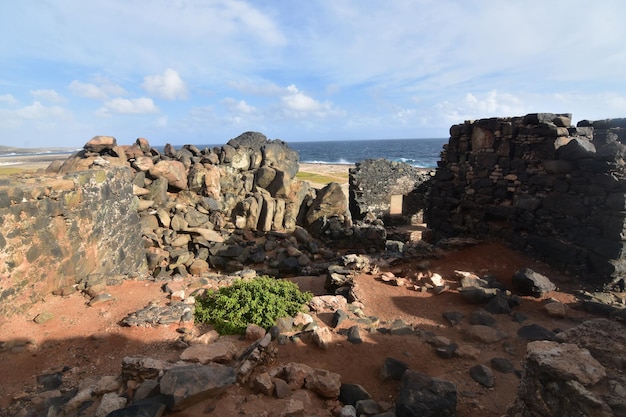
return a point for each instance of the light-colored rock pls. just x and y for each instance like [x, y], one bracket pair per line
[485, 334]
[323, 337]
[222, 351]
[566, 361]
[110, 402]
[173, 171]
[254, 332]
[325, 383]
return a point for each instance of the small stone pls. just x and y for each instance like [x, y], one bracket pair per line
[502, 365]
[367, 407]
[101, 299]
[338, 317]
[220, 352]
[205, 338]
[483, 375]
[350, 394]
[323, 337]
[348, 411]
[482, 318]
[263, 383]
[109, 402]
[485, 334]
[467, 352]
[281, 388]
[254, 332]
[535, 332]
[44, 317]
[453, 317]
[393, 369]
[354, 335]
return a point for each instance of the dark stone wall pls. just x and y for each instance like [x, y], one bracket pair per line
[374, 181]
[56, 231]
[540, 184]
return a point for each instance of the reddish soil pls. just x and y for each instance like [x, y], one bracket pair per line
[90, 341]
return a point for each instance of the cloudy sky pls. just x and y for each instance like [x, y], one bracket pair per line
[204, 71]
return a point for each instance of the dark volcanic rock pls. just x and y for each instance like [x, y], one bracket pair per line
[483, 375]
[421, 395]
[393, 369]
[187, 385]
[535, 332]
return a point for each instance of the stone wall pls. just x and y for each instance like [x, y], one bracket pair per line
[374, 183]
[57, 231]
[540, 184]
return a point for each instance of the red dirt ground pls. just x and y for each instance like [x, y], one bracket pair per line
[90, 341]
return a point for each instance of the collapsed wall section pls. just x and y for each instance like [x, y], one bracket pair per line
[59, 230]
[540, 184]
[384, 188]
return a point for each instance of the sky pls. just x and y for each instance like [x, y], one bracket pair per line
[205, 71]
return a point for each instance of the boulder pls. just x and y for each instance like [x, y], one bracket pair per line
[173, 171]
[99, 144]
[330, 201]
[184, 386]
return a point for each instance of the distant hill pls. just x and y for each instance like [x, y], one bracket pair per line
[4, 150]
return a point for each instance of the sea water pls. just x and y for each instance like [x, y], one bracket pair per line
[423, 153]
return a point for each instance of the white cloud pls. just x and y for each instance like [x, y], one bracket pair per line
[142, 105]
[47, 95]
[239, 106]
[478, 106]
[103, 91]
[168, 86]
[35, 115]
[296, 104]
[8, 99]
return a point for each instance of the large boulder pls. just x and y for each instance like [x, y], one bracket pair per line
[330, 202]
[184, 386]
[173, 171]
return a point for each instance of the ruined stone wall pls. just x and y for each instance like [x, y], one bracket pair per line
[58, 230]
[540, 184]
[373, 182]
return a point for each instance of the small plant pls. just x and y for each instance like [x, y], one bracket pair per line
[258, 301]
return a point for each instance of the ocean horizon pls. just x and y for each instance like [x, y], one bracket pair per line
[422, 153]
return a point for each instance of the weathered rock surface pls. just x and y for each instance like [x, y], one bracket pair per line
[422, 395]
[186, 385]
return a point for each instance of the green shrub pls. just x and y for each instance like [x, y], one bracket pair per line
[258, 301]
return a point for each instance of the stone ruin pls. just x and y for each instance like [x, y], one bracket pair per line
[111, 211]
[387, 190]
[533, 181]
[541, 185]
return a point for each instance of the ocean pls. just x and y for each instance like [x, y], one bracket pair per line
[423, 153]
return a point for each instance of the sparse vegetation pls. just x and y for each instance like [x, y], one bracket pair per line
[258, 301]
[322, 179]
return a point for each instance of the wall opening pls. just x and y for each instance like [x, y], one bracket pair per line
[395, 205]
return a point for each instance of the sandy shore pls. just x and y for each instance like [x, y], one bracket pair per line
[339, 172]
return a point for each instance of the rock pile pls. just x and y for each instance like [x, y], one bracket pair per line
[208, 208]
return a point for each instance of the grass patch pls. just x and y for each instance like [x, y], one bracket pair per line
[259, 301]
[321, 179]
[11, 170]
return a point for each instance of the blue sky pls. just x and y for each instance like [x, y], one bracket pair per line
[204, 71]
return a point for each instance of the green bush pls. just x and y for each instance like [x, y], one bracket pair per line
[258, 301]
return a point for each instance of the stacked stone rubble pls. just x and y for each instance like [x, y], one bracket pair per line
[540, 184]
[202, 209]
[374, 181]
